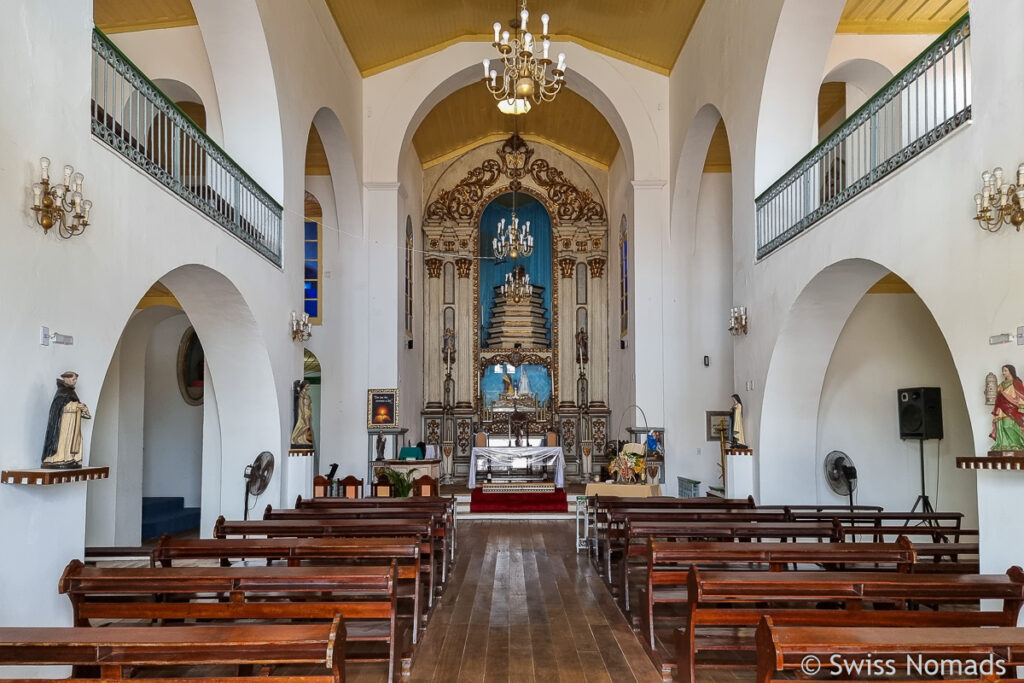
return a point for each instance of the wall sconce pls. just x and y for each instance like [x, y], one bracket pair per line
[301, 329]
[738, 320]
[55, 205]
[998, 202]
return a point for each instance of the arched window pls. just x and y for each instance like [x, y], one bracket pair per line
[312, 260]
[623, 279]
[408, 276]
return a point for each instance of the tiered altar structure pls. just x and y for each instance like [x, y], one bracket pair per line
[517, 364]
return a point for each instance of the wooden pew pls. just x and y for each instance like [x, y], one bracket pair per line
[639, 527]
[116, 650]
[363, 595]
[783, 650]
[615, 539]
[724, 600]
[443, 523]
[668, 564]
[406, 552]
[422, 528]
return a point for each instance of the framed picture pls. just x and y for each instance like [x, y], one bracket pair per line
[381, 408]
[717, 422]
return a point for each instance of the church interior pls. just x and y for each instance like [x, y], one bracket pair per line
[511, 340]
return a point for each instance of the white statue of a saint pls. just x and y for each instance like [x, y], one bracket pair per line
[524, 384]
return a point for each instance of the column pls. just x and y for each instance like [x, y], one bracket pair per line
[650, 221]
[384, 275]
[566, 333]
[597, 371]
[433, 367]
[464, 390]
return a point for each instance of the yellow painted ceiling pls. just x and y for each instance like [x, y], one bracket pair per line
[891, 284]
[316, 157]
[900, 16]
[382, 35]
[470, 116]
[119, 16]
[718, 159]
[158, 295]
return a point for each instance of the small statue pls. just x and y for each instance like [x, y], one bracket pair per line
[736, 423]
[448, 346]
[302, 434]
[1008, 414]
[582, 353]
[62, 448]
[379, 446]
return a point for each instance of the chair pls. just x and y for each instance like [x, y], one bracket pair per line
[350, 487]
[551, 440]
[424, 486]
[481, 440]
[321, 486]
[383, 488]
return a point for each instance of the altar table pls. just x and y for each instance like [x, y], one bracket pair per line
[623, 490]
[519, 457]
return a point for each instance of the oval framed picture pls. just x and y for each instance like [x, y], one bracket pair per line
[191, 363]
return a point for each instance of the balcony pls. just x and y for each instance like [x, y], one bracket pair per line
[133, 117]
[920, 106]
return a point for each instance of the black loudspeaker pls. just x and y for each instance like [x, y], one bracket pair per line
[920, 413]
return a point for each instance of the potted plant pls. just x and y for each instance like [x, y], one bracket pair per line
[402, 481]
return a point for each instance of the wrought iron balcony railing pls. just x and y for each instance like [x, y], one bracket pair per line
[135, 118]
[921, 105]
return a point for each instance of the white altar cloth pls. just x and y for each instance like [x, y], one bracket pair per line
[519, 457]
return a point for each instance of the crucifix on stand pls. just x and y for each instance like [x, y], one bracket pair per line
[583, 402]
[448, 420]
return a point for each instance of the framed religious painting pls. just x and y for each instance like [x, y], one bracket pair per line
[717, 421]
[381, 408]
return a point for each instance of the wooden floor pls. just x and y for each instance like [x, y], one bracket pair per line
[523, 606]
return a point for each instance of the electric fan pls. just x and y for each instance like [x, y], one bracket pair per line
[841, 475]
[257, 477]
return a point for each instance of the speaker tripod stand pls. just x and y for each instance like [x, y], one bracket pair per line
[922, 500]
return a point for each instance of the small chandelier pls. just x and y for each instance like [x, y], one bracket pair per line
[513, 240]
[55, 205]
[525, 77]
[301, 328]
[517, 287]
[1000, 203]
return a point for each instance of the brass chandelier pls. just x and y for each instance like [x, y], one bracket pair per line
[1000, 203]
[517, 287]
[513, 240]
[525, 77]
[60, 205]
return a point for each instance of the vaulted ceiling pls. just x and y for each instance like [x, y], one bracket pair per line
[381, 35]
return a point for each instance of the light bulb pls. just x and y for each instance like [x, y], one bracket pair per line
[78, 178]
[561, 61]
[523, 16]
[528, 42]
[544, 23]
[37, 193]
[494, 78]
[504, 37]
[497, 31]
[44, 163]
[487, 67]
[68, 170]
[547, 46]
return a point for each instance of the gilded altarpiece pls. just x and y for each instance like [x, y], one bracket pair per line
[477, 381]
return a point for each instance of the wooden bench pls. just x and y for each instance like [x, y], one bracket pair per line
[732, 602]
[406, 552]
[615, 538]
[958, 651]
[668, 564]
[117, 650]
[363, 595]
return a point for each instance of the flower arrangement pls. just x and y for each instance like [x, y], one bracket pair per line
[402, 481]
[627, 466]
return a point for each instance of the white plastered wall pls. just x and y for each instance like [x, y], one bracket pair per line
[891, 342]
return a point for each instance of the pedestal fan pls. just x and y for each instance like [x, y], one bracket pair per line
[257, 477]
[841, 475]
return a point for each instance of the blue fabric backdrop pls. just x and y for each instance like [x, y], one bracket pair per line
[538, 264]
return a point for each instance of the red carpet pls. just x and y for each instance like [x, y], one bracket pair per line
[518, 502]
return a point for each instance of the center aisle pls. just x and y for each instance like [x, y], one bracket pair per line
[523, 606]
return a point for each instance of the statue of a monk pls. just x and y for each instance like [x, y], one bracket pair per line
[62, 448]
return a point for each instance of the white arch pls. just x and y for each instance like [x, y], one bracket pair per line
[787, 117]
[866, 75]
[690, 167]
[247, 96]
[398, 100]
[344, 179]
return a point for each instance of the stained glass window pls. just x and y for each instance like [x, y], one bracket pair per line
[311, 278]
